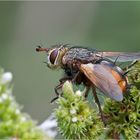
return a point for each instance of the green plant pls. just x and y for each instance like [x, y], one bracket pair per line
[124, 117]
[77, 119]
[76, 116]
[13, 123]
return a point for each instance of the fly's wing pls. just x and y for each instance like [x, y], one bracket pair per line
[121, 56]
[102, 78]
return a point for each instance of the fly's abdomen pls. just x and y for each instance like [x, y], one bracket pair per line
[122, 80]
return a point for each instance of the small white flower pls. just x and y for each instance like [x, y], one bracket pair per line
[4, 96]
[78, 92]
[17, 111]
[6, 77]
[72, 111]
[23, 119]
[74, 119]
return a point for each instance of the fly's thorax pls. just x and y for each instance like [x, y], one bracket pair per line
[55, 56]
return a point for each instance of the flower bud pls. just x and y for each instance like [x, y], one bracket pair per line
[6, 77]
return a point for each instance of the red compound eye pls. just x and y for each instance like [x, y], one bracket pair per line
[53, 56]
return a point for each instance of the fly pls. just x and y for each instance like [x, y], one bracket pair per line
[94, 69]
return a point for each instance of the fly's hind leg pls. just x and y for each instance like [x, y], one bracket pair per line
[98, 103]
[127, 69]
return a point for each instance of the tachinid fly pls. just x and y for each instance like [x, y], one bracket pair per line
[94, 69]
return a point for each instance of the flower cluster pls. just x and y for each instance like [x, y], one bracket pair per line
[76, 119]
[13, 123]
[124, 117]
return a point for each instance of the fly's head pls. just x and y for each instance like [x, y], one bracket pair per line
[55, 55]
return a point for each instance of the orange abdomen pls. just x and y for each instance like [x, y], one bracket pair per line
[122, 80]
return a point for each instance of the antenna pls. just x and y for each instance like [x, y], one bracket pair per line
[40, 49]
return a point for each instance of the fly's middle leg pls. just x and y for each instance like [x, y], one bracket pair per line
[75, 77]
[98, 103]
[86, 91]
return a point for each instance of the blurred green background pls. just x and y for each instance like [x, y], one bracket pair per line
[24, 25]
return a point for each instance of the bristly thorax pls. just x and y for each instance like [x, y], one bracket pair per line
[84, 55]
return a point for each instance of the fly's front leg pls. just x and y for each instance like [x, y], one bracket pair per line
[62, 81]
[56, 91]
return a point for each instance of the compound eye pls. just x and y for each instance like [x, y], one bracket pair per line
[53, 56]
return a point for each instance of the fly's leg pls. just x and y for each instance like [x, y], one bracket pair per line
[98, 103]
[116, 60]
[56, 91]
[62, 81]
[75, 77]
[127, 69]
[86, 91]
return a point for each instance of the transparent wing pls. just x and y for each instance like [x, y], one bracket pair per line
[102, 78]
[121, 56]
